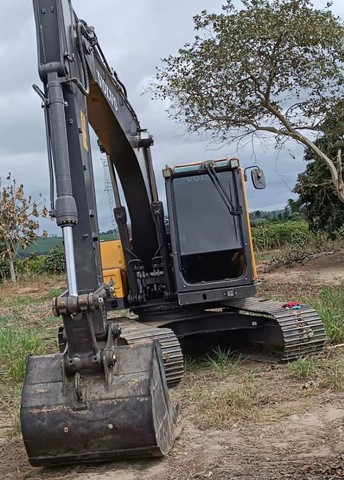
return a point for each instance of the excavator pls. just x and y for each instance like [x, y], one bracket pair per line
[185, 272]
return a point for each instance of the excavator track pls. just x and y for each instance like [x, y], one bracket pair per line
[134, 332]
[301, 330]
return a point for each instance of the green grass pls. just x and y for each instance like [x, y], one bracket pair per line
[224, 361]
[26, 327]
[302, 368]
[18, 302]
[325, 374]
[15, 344]
[330, 306]
[53, 292]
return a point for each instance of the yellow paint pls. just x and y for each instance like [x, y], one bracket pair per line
[112, 254]
[113, 266]
[84, 131]
[254, 268]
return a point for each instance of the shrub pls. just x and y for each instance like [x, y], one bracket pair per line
[303, 367]
[34, 264]
[55, 261]
[272, 235]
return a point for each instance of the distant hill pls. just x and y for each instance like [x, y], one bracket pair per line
[257, 216]
[42, 246]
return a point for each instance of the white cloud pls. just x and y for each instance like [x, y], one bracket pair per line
[134, 37]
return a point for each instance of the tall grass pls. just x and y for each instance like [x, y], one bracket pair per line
[325, 374]
[330, 306]
[14, 346]
[331, 375]
[272, 235]
[224, 360]
[302, 368]
[295, 235]
[225, 406]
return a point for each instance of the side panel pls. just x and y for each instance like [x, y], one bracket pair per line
[113, 265]
[248, 225]
[112, 254]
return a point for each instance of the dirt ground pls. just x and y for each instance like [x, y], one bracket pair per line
[327, 268]
[293, 432]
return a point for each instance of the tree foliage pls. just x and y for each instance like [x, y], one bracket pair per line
[317, 195]
[18, 221]
[275, 66]
[55, 261]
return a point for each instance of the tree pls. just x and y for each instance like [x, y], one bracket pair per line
[293, 206]
[18, 221]
[273, 67]
[317, 195]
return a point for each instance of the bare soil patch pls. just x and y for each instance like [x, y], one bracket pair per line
[307, 443]
[305, 280]
[275, 428]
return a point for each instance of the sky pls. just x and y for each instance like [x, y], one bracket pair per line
[134, 36]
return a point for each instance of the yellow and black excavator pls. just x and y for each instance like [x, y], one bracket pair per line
[185, 273]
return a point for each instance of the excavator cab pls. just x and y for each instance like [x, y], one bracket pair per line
[210, 232]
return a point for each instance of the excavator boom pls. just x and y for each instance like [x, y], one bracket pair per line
[99, 398]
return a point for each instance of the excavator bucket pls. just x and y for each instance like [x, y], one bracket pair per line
[86, 418]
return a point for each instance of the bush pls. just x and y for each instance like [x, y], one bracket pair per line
[34, 264]
[52, 263]
[55, 261]
[269, 236]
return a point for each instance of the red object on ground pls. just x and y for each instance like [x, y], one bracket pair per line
[291, 304]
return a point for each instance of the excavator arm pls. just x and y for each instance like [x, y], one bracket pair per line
[100, 398]
[80, 88]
